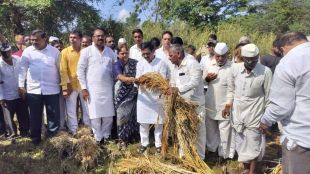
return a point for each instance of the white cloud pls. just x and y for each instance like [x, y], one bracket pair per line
[123, 14]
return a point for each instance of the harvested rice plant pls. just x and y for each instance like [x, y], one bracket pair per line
[65, 153]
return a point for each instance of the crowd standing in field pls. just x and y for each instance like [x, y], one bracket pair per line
[238, 97]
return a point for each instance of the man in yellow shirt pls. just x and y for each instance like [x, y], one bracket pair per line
[70, 85]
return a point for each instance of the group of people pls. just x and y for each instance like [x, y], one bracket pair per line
[238, 97]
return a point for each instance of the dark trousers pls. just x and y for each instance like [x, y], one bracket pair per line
[295, 161]
[2, 123]
[36, 102]
[20, 108]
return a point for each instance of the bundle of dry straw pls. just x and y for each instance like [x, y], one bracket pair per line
[181, 125]
[81, 148]
[277, 169]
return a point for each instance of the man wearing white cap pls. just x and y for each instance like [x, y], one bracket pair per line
[53, 39]
[121, 41]
[218, 130]
[9, 96]
[248, 90]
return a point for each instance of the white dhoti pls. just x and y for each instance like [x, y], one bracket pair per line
[71, 103]
[102, 127]
[212, 134]
[220, 136]
[250, 145]
[145, 131]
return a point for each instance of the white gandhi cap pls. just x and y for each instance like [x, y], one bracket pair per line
[53, 38]
[249, 50]
[121, 40]
[221, 48]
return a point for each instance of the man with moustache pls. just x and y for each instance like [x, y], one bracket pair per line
[219, 131]
[86, 41]
[40, 66]
[96, 79]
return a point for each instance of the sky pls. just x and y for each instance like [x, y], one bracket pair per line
[120, 13]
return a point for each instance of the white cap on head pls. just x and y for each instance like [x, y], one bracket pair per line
[244, 39]
[221, 48]
[122, 41]
[53, 38]
[249, 50]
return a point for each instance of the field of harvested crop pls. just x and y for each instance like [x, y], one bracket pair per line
[65, 154]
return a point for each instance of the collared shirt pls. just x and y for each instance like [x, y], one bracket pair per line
[290, 96]
[41, 67]
[135, 53]
[249, 94]
[205, 60]
[187, 77]
[68, 67]
[9, 79]
[165, 58]
[217, 89]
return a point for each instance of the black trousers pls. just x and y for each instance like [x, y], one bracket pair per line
[2, 123]
[36, 102]
[20, 108]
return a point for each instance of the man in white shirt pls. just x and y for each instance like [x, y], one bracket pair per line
[247, 92]
[163, 51]
[209, 57]
[219, 132]
[9, 97]
[186, 78]
[135, 51]
[149, 104]
[40, 65]
[96, 79]
[290, 103]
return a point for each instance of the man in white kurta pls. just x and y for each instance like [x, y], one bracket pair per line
[95, 76]
[186, 77]
[248, 90]
[150, 109]
[219, 132]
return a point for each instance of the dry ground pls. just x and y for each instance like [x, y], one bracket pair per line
[22, 158]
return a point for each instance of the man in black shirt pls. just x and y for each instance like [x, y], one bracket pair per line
[271, 60]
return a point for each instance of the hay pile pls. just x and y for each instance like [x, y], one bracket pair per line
[150, 165]
[277, 169]
[181, 125]
[81, 148]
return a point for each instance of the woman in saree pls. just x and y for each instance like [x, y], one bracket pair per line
[125, 98]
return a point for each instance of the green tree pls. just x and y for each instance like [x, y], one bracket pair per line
[194, 12]
[53, 16]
